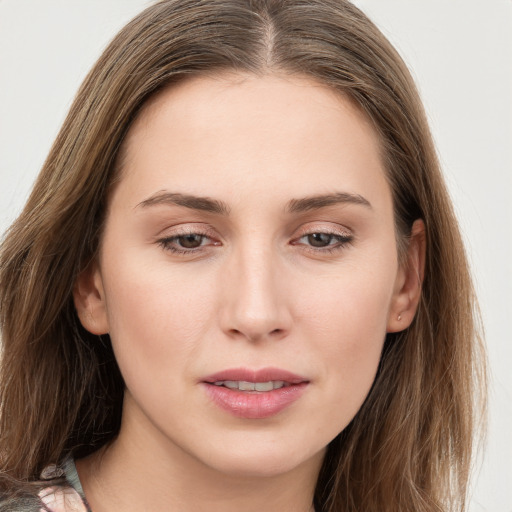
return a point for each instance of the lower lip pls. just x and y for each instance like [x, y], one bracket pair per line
[254, 405]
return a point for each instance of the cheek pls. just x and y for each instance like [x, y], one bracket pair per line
[348, 319]
[350, 305]
[155, 317]
[351, 337]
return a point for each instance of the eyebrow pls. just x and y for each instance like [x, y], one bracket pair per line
[209, 205]
[204, 204]
[321, 201]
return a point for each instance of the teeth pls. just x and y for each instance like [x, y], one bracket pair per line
[246, 386]
[264, 386]
[231, 384]
[243, 385]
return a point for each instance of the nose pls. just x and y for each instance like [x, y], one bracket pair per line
[255, 303]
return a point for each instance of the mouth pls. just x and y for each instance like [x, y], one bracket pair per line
[243, 385]
[246, 377]
[254, 394]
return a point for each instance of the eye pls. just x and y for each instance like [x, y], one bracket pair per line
[319, 239]
[187, 243]
[323, 241]
[191, 241]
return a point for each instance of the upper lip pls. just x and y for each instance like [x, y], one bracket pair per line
[261, 375]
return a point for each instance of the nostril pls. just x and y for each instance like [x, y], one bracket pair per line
[256, 336]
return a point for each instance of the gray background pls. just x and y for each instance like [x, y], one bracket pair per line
[460, 52]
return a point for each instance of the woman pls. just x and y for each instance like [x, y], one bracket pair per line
[243, 286]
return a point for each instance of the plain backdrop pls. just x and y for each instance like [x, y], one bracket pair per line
[460, 52]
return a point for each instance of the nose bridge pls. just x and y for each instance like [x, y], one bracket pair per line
[256, 304]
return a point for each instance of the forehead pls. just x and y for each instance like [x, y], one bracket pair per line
[216, 134]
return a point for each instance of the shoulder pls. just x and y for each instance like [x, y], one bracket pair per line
[56, 498]
[61, 499]
[58, 490]
[68, 497]
[19, 503]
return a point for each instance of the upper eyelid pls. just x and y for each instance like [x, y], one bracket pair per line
[187, 229]
[322, 228]
[210, 232]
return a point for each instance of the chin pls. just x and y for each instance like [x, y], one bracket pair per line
[263, 462]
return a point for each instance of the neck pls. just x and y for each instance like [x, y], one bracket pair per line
[139, 472]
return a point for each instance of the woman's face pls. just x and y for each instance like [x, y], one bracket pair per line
[247, 273]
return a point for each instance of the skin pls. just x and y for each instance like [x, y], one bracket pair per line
[260, 290]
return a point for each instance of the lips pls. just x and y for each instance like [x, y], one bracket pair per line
[254, 394]
[243, 385]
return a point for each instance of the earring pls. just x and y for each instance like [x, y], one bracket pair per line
[399, 317]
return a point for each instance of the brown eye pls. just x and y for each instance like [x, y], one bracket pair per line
[319, 239]
[191, 241]
[323, 241]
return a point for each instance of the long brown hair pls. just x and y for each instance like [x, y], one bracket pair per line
[409, 447]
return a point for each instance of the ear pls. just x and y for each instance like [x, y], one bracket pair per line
[407, 293]
[89, 298]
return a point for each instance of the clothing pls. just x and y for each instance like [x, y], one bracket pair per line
[63, 498]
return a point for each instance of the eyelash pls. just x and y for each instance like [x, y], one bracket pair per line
[342, 240]
[167, 242]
